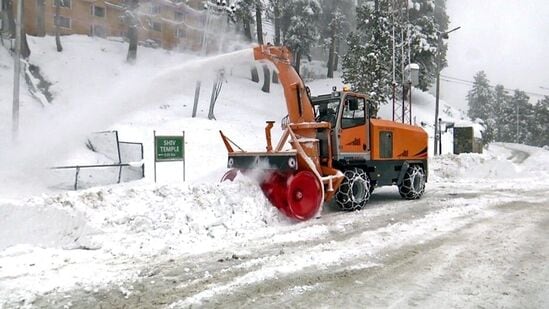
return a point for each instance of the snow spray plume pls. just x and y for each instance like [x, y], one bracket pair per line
[60, 129]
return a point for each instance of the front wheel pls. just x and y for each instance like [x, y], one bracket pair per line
[354, 191]
[413, 184]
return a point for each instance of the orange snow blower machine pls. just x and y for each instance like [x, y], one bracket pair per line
[339, 149]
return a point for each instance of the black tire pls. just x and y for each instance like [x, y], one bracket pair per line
[354, 191]
[413, 184]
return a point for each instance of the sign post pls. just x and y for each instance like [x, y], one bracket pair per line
[169, 148]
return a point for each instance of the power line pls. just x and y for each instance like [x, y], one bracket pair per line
[465, 82]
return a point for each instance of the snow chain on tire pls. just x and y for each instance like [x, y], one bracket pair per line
[354, 191]
[413, 184]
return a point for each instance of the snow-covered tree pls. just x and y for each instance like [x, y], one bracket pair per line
[302, 31]
[335, 28]
[498, 111]
[367, 65]
[540, 127]
[244, 13]
[335, 21]
[480, 97]
[523, 119]
[275, 10]
[423, 31]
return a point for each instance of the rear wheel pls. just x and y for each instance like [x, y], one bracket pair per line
[354, 191]
[413, 184]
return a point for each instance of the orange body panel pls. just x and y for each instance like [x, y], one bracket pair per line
[409, 142]
[354, 139]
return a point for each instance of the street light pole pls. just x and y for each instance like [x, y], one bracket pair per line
[442, 35]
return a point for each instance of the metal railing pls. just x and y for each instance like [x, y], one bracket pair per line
[119, 165]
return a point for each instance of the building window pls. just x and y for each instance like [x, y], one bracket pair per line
[97, 30]
[178, 16]
[62, 3]
[180, 33]
[155, 9]
[98, 11]
[156, 26]
[62, 21]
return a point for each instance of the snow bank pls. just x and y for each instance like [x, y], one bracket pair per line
[145, 220]
[499, 160]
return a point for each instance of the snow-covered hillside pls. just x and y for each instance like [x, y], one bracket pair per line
[53, 242]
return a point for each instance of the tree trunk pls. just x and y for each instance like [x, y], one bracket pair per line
[132, 49]
[247, 30]
[277, 25]
[133, 34]
[266, 79]
[336, 56]
[331, 54]
[57, 31]
[255, 74]
[259, 22]
[276, 11]
[297, 60]
[248, 34]
[25, 50]
[11, 18]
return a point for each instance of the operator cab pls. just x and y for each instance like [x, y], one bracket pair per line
[349, 114]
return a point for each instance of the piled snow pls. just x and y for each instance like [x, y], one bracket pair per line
[499, 160]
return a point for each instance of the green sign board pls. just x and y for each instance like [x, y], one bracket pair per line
[169, 148]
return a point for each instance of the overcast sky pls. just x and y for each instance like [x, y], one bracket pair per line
[508, 39]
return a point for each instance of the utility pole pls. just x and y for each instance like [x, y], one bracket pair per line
[437, 96]
[17, 71]
[441, 35]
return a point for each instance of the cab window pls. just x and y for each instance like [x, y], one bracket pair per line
[354, 112]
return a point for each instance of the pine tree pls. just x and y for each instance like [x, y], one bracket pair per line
[480, 97]
[424, 40]
[540, 127]
[523, 115]
[481, 100]
[244, 13]
[274, 13]
[497, 112]
[334, 28]
[367, 65]
[336, 20]
[302, 30]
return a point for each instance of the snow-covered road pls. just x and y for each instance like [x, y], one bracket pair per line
[479, 242]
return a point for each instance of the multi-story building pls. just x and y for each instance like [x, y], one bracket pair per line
[169, 24]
